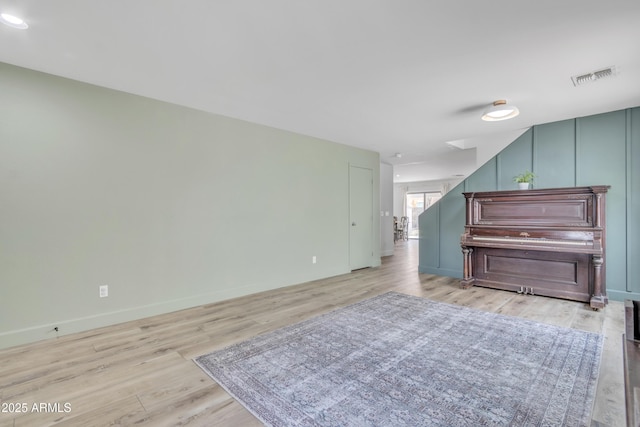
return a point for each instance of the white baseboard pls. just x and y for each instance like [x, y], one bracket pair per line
[71, 326]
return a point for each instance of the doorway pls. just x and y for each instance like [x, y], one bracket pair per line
[416, 204]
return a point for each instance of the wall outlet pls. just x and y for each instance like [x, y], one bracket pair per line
[313, 259]
[104, 291]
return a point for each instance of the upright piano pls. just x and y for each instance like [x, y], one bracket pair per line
[544, 241]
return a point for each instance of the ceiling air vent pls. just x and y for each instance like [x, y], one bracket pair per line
[593, 76]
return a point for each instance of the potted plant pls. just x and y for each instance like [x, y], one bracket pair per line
[524, 180]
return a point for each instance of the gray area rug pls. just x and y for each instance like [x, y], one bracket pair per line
[397, 360]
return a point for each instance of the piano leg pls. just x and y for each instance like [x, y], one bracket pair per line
[597, 299]
[467, 268]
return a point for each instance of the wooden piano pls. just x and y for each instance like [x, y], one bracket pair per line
[546, 242]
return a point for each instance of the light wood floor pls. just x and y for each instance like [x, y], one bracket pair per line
[141, 372]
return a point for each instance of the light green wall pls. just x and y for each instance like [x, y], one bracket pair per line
[168, 206]
[600, 149]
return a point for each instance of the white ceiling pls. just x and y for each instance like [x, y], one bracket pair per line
[387, 75]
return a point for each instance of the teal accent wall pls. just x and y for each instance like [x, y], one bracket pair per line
[633, 203]
[169, 206]
[600, 149]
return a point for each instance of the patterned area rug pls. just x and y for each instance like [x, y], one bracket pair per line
[397, 360]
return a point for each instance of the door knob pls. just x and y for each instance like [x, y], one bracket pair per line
[353, 224]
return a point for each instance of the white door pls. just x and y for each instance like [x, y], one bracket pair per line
[360, 217]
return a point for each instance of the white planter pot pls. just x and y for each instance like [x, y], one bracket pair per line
[523, 186]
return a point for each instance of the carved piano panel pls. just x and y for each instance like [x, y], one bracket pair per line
[550, 213]
[563, 275]
[548, 242]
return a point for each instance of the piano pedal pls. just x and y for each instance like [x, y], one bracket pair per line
[525, 291]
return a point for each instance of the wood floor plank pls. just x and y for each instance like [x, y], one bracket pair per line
[208, 406]
[610, 390]
[88, 391]
[142, 372]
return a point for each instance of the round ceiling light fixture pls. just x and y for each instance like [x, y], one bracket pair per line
[13, 21]
[500, 111]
